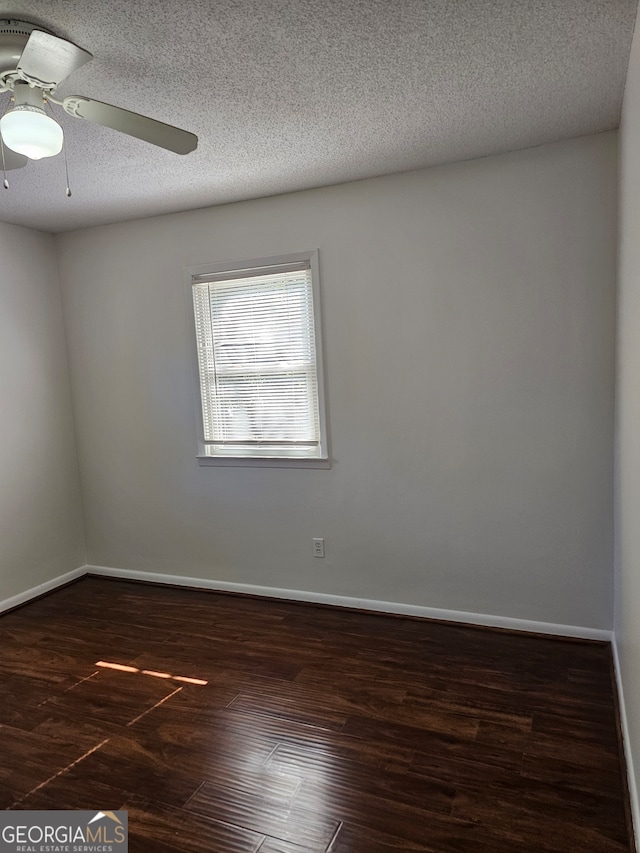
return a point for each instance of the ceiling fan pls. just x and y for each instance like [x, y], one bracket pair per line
[33, 62]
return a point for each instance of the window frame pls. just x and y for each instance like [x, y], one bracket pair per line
[193, 272]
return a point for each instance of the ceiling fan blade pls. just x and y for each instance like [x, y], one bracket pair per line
[47, 59]
[12, 160]
[134, 124]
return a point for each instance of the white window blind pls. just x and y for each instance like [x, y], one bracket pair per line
[255, 338]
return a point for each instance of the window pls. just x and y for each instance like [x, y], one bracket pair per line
[259, 365]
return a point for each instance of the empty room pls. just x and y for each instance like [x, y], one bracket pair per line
[320, 431]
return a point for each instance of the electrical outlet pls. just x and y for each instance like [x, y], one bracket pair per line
[318, 547]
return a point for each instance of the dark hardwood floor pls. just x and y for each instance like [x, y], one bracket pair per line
[238, 725]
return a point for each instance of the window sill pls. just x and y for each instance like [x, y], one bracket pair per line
[262, 462]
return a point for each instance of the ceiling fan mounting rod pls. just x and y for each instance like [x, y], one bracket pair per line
[26, 94]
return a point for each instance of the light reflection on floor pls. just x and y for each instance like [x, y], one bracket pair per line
[121, 667]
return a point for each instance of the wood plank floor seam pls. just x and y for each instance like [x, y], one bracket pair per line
[268, 758]
[188, 800]
[334, 838]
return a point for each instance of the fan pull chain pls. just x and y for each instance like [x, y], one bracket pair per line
[66, 169]
[47, 103]
[4, 168]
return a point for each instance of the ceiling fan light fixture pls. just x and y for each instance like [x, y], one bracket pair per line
[28, 130]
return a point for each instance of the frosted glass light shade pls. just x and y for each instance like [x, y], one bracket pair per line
[30, 131]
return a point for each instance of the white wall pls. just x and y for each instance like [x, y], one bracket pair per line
[469, 347]
[627, 596]
[41, 533]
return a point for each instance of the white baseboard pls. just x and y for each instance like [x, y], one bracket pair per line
[35, 591]
[359, 603]
[315, 598]
[626, 737]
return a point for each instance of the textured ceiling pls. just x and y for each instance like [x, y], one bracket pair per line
[290, 94]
